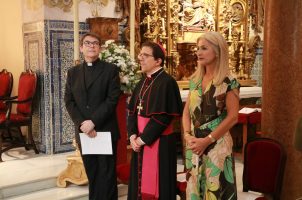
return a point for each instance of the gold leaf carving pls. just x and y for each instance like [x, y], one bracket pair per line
[65, 5]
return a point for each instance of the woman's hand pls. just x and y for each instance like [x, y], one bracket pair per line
[188, 138]
[198, 145]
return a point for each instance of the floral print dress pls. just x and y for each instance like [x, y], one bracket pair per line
[211, 175]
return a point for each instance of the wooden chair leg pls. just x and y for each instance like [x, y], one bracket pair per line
[1, 146]
[32, 140]
[22, 140]
[244, 139]
[6, 135]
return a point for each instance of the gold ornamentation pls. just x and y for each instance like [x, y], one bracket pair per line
[198, 15]
[177, 21]
[75, 171]
[101, 2]
[96, 6]
[65, 5]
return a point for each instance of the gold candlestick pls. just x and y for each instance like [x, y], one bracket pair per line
[230, 32]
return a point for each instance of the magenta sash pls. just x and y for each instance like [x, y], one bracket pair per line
[150, 163]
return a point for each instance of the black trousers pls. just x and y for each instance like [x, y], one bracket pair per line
[101, 173]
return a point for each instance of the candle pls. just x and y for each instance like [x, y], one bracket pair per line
[148, 22]
[163, 23]
[241, 32]
[230, 28]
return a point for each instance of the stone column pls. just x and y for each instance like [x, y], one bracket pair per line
[282, 88]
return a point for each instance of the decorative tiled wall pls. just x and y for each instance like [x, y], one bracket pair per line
[256, 73]
[48, 49]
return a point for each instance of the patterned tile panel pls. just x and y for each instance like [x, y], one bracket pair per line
[60, 59]
[49, 52]
[34, 54]
[256, 72]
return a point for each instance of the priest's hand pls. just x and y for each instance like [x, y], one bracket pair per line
[92, 134]
[87, 126]
[135, 146]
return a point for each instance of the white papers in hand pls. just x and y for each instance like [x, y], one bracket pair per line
[246, 110]
[101, 144]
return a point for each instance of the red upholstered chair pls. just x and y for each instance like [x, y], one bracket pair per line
[243, 119]
[181, 189]
[246, 120]
[6, 85]
[264, 163]
[122, 164]
[254, 118]
[123, 173]
[23, 116]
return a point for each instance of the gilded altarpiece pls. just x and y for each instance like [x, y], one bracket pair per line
[176, 24]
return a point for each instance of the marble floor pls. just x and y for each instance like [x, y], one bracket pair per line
[27, 176]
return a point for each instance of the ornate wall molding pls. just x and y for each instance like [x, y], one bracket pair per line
[33, 4]
[65, 5]
[33, 27]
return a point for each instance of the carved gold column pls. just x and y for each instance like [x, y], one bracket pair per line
[234, 25]
[174, 9]
[159, 23]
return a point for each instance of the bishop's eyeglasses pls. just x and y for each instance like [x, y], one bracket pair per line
[144, 55]
[91, 44]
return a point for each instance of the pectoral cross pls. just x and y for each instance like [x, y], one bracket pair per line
[139, 107]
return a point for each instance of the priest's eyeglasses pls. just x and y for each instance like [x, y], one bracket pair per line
[91, 44]
[144, 55]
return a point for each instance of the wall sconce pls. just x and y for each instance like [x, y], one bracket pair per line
[298, 136]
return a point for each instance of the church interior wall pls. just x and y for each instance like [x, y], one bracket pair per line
[47, 34]
[11, 39]
[51, 124]
[48, 50]
[54, 38]
[36, 11]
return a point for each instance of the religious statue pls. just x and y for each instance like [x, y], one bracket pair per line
[237, 12]
[196, 16]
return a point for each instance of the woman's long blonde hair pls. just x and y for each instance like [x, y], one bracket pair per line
[222, 60]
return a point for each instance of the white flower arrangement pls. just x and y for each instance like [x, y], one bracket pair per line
[120, 56]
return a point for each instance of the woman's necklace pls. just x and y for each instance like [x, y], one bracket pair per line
[141, 96]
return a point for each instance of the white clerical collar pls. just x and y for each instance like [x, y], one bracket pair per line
[150, 75]
[89, 64]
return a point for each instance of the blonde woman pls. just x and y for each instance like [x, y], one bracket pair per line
[210, 111]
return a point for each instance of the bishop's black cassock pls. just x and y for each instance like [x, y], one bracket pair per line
[160, 104]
